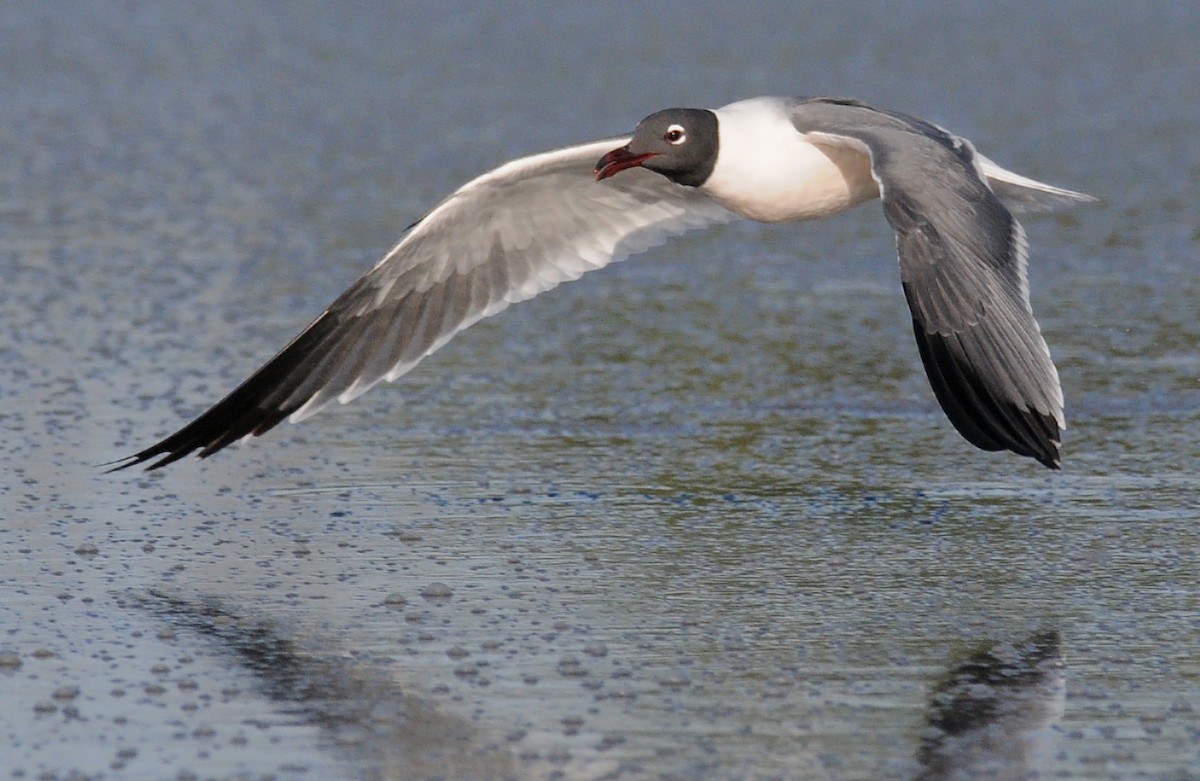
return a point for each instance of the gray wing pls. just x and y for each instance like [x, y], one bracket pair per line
[963, 265]
[502, 238]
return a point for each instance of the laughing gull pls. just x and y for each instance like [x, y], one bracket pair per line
[537, 221]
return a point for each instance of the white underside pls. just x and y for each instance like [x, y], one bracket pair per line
[767, 171]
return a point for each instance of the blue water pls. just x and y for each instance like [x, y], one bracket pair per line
[698, 515]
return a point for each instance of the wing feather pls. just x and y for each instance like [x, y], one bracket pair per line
[502, 238]
[963, 259]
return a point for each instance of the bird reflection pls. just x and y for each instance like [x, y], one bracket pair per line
[993, 716]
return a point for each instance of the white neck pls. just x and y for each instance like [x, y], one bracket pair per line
[767, 171]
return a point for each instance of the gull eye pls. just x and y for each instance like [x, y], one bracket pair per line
[675, 135]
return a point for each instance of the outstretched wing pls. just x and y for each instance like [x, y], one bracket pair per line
[502, 238]
[963, 265]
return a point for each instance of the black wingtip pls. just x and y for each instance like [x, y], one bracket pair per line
[119, 464]
[147, 457]
[1049, 454]
[256, 406]
[222, 425]
[988, 422]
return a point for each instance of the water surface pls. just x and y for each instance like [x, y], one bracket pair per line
[696, 516]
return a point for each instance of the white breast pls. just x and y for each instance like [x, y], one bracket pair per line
[767, 171]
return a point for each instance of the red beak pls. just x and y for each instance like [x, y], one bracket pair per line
[618, 160]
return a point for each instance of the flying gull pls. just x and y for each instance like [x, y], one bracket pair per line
[535, 222]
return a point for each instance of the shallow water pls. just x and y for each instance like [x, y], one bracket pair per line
[696, 516]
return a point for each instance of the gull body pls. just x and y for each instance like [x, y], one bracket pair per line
[799, 180]
[541, 220]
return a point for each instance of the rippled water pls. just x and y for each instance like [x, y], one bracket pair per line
[696, 516]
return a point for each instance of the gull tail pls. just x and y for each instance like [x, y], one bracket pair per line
[1024, 195]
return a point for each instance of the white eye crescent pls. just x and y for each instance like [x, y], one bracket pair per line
[675, 135]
